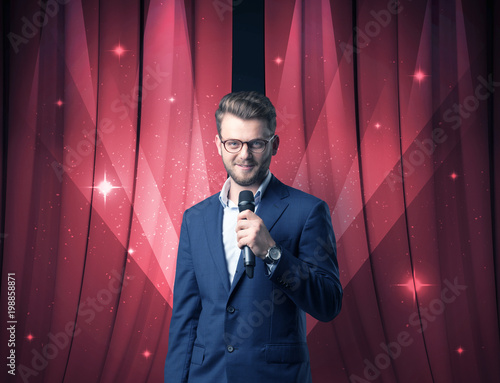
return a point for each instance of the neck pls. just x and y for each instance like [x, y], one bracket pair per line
[235, 189]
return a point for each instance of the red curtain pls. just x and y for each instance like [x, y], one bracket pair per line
[387, 113]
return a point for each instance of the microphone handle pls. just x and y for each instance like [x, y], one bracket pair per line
[249, 258]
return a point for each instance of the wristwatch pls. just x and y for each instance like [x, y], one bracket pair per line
[273, 255]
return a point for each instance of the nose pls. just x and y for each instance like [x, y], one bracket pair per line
[245, 152]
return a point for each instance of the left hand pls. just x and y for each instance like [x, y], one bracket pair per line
[251, 232]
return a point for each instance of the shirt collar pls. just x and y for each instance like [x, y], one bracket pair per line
[258, 196]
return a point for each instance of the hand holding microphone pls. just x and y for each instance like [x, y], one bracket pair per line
[253, 236]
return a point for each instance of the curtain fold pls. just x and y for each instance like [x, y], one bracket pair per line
[395, 135]
[388, 113]
[103, 135]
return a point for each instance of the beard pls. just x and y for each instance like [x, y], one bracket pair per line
[257, 174]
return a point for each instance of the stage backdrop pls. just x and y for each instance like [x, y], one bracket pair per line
[388, 113]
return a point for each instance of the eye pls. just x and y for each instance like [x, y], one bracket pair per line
[257, 144]
[233, 144]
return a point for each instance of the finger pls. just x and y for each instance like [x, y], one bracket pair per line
[242, 225]
[245, 223]
[247, 214]
[242, 240]
[246, 237]
[239, 235]
[242, 244]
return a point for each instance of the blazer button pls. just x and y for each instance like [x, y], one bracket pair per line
[230, 348]
[230, 309]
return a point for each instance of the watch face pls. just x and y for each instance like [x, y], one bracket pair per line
[274, 253]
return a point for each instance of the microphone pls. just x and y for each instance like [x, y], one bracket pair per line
[246, 202]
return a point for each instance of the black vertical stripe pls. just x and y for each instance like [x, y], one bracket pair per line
[248, 46]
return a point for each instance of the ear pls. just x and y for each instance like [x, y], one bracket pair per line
[218, 143]
[276, 143]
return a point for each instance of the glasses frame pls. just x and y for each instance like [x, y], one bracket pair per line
[247, 142]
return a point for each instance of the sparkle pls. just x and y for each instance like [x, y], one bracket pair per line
[377, 125]
[460, 350]
[146, 354]
[453, 176]
[59, 103]
[105, 187]
[414, 285]
[419, 75]
[30, 337]
[131, 251]
[419, 285]
[278, 60]
[171, 99]
[119, 50]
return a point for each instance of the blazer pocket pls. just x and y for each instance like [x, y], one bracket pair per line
[287, 353]
[198, 355]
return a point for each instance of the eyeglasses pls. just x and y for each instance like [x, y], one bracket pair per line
[255, 146]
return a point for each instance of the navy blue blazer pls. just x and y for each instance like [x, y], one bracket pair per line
[255, 329]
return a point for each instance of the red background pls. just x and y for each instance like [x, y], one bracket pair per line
[399, 135]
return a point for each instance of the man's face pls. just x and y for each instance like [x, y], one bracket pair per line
[246, 168]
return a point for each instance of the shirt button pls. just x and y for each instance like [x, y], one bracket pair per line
[230, 348]
[230, 309]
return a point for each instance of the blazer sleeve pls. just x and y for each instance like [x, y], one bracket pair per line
[185, 313]
[309, 274]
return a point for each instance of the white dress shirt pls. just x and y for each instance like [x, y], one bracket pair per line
[231, 249]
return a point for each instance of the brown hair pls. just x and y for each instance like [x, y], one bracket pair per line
[247, 105]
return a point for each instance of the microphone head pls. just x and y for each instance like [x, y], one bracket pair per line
[246, 201]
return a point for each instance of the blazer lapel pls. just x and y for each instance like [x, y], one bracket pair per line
[273, 203]
[214, 238]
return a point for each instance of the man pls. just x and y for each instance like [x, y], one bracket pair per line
[226, 326]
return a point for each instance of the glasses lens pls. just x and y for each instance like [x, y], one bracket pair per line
[257, 146]
[233, 146]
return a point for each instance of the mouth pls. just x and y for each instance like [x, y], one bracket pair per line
[245, 167]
